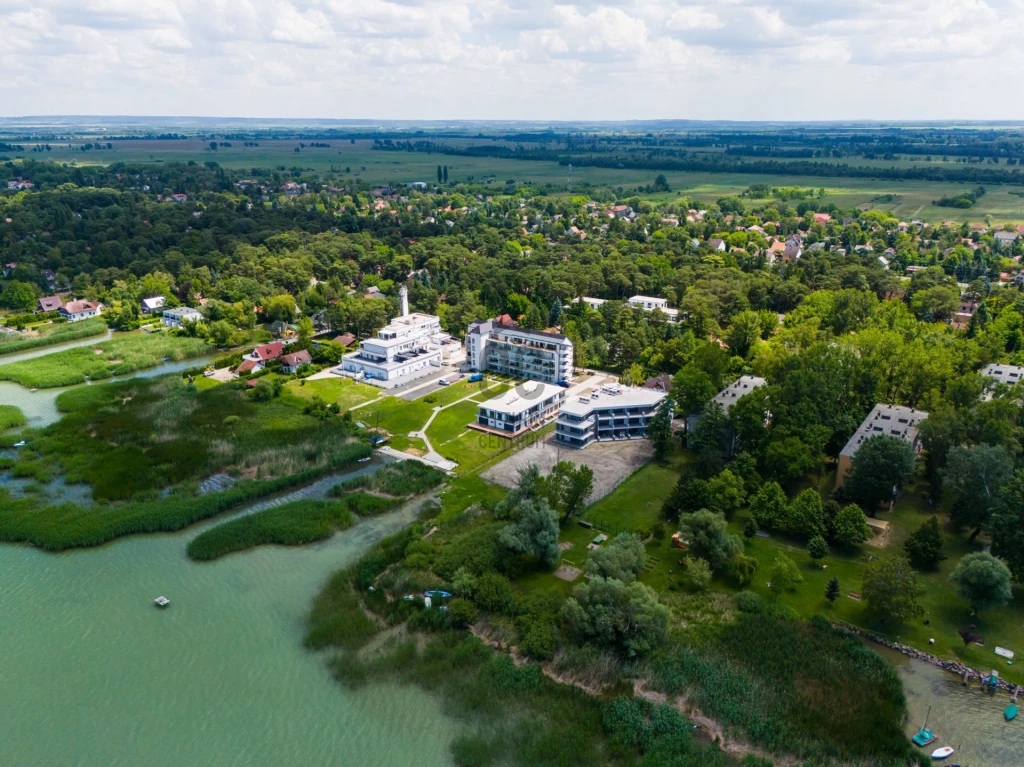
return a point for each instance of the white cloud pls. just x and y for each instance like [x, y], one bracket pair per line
[528, 59]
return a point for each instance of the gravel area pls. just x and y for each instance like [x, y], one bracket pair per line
[612, 462]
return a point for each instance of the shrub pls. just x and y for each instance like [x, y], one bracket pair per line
[461, 612]
[749, 602]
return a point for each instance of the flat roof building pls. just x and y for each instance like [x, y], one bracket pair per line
[174, 317]
[1006, 374]
[739, 388]
[883, 420]
[613, 413]
[518, 352]
[649, 303]
[527, 406]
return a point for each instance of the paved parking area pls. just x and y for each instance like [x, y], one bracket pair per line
[611, 462]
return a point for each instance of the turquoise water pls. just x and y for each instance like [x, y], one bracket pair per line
[92, 673]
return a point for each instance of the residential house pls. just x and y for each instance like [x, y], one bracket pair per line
[49, 304]
[178, 198]
[20, 184]
[292, 362]
[1005, 238]
[345, 339]
[593, 303]
[662, 383]
[173, 318]
[73, 311]
[50, 277]
[822, 218]
[153, 305]
[717, 244]
[649, 304]
[1010, 375]
[8, 268]
[791, 253]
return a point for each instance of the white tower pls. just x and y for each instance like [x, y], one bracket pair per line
[403, 296]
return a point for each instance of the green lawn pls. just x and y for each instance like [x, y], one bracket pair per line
[636, 503]
[346, 392]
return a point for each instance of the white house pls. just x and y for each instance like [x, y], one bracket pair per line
[74, 311]
[174, 317]
[650, 304]
[153, 305]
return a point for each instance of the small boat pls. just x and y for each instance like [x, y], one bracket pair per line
[1010, 713]
[20, 444]
[161, 601]
[365, 460]
[942, 753]
[924, 735]
[436, 593]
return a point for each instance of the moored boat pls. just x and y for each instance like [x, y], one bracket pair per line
[924, 736]
[942, 753]
[1010, 713]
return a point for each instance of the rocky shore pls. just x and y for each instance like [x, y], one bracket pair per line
[952, 666]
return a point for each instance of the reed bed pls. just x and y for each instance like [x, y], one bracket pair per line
[59, 334]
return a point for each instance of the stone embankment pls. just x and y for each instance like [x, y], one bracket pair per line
[952, 666]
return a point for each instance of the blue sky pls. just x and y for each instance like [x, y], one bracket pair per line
[515, 59]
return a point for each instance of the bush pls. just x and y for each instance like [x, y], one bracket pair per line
[461, 612]
[749, 602]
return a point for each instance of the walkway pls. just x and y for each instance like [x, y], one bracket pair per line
[432, 456]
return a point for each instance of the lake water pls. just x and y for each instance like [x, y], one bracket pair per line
[967, 719]
[92, 673]
[40, 406]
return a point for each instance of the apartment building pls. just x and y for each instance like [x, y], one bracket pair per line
[613, 413]
[518, 352]
[888, 420]
[525, 407]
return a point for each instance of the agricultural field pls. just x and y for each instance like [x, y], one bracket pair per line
[400, 168]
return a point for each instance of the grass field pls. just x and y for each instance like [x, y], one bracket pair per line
[636, 505]
[11, 416]
[399, 168]
[49, 335]
[344, 391]
[120, 356]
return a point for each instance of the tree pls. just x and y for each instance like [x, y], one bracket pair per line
[281, 308]
[659, 430]
[880, 464]
[621, 559]
[924, 546]
[567, 487]
[689, 495]
[709, 535]
[555, 315]
[725, 493]
[707, 439]
[983, 581]
[440, 175]
[768, 507]
[305, 331]
[744, 333]
[220, 332]
[533, 318]
[976, 476]
[807, 515]
[698, 572]
[534, 531]
[1007, 524]
[749, 528]
[744, 568]
[785, 575]
[850, 526]
[817, 547]
[633, 375]
[20, 296]
[891, 589]
[832, 590]
[625, 617]
[446, 174]
[692, 388]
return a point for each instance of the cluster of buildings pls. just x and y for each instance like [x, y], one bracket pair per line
[72, 311]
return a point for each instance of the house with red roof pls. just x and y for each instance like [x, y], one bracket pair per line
[74, 311]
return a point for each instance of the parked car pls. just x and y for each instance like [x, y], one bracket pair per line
[563, 384]
[444, 382]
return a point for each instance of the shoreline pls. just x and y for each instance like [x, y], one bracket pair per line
[954, 667]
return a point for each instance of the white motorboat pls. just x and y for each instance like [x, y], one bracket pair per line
[942, 753]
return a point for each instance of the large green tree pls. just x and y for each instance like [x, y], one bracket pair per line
[975, 476]
[621, 559]
[924, 545]
[1007, 524]
[708, 532]
[891, 589]
[628, 618]
[881, 464]
[983, 581]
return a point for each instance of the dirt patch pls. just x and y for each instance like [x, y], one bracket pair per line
[567, 573]
[415, 451]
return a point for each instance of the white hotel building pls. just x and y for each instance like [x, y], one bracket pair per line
[409, 346]
[518, 352]
[525, 407]
[613, 413]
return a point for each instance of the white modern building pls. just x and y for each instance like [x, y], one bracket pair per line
[613, 413]
[1010, 375]
[648, 303]
[174, 317]
[525, 407]
[518, 352]
[738, 389]
[410, 346]
[883, 420]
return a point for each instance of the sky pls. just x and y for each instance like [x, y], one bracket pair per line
[515, 59]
